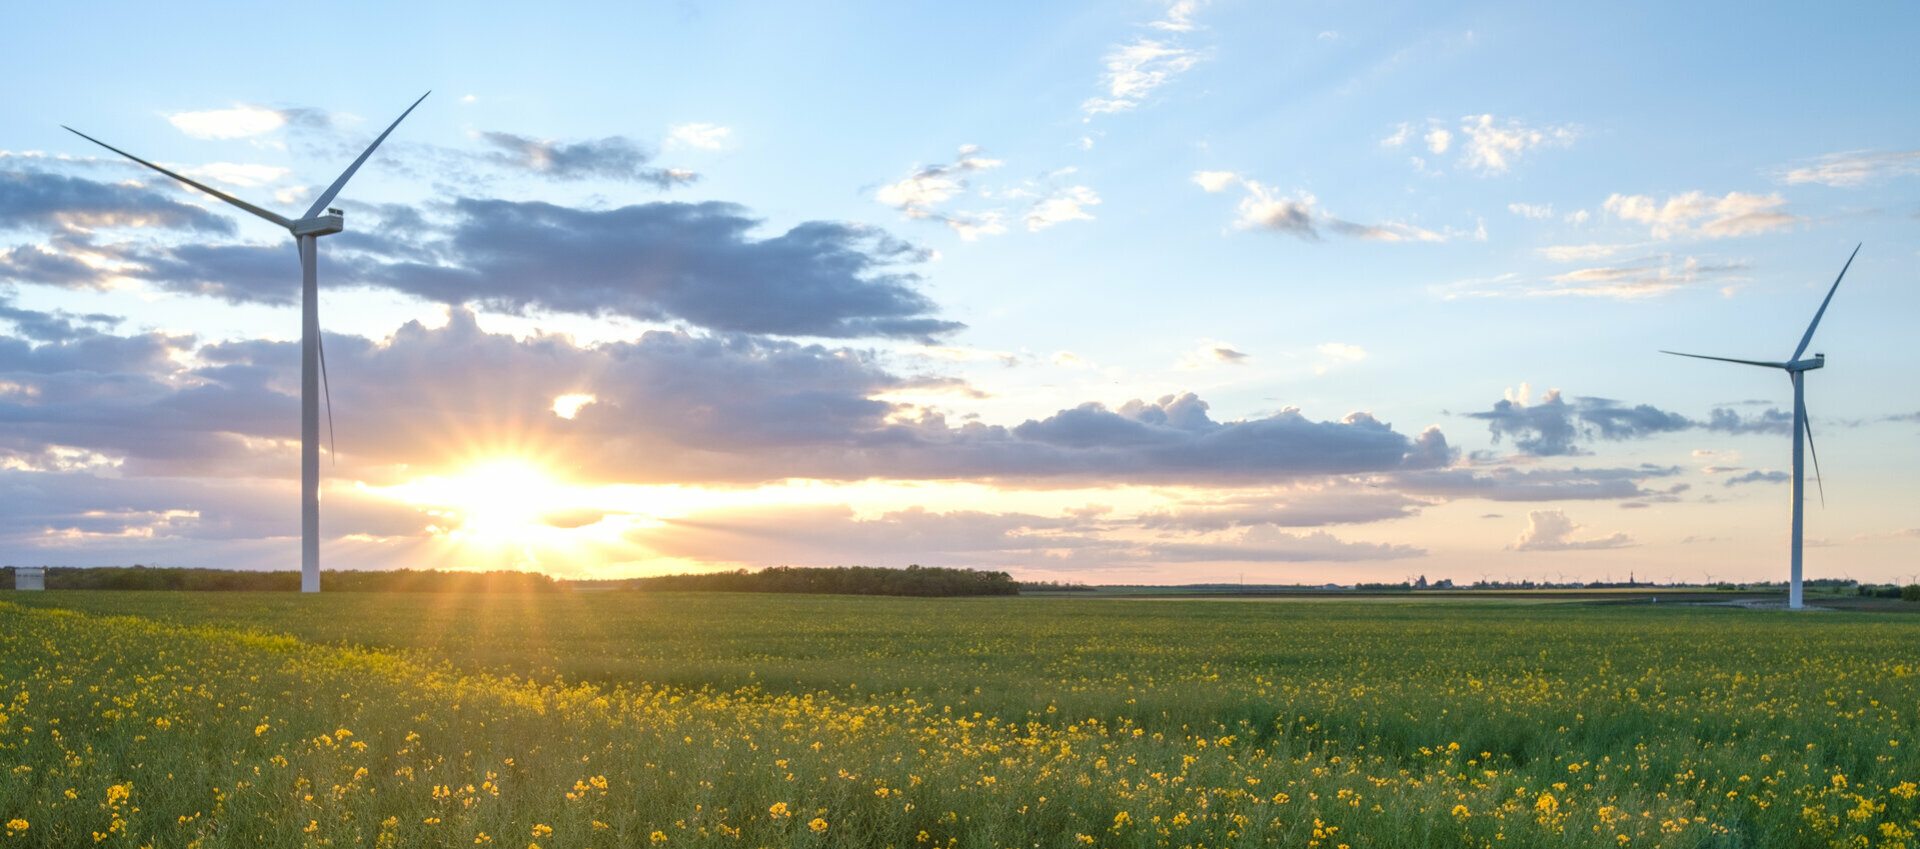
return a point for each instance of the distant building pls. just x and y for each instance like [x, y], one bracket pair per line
[30, 578]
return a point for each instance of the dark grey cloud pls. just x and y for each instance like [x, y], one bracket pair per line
[55, 326]
[1515, 484]
[1554, 427]
[693, 262]
[39, 201]
[612, 158]
[1770, 421]
[697, 263]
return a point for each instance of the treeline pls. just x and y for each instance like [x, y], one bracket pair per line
[139, 577]
[914, 580]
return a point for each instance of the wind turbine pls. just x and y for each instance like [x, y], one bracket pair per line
[1796, 370]
[306, 231]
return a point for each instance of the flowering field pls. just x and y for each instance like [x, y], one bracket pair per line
[132, 719]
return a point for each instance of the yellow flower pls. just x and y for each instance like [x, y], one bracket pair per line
[541, 830]
[779, 810]
[818, 825]
[659, 837]
[1461, 811]
[15, 826]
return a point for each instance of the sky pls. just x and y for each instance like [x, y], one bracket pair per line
[1130, 292]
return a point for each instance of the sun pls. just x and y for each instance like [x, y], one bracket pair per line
[501, 501]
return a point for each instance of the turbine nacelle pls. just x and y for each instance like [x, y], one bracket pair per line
[319, 225]
[1818, 361]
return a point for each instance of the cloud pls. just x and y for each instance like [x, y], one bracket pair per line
[1552, 427]
[1493, 149]
[1066, 204]
[1133, 71]
[1532, 210]
[1645, 277]
[698, 136]
[1774, 421]
[1179, 16]
[31, 200]
[927, 187]
[56, 326]
[1852, 168]
[1551, 530]
[1214, 181]
[1698, 214]
[611, 158]
[1264, 208]
[1579, 253]
[245, 175]
[1336, 354]
[1506, 483]
[1438, 140]
[668, 407]
[1758, 476]
[242, 121]
[1305, 506]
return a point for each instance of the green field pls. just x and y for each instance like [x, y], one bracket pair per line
[614, 719]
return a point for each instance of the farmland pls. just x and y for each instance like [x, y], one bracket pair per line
[574, 720]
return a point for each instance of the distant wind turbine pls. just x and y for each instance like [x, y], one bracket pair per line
[306, 231]
[1796, 370]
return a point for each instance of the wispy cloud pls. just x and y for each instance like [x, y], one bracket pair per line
[1853, 168]
[1493, 147]
[1487, 146]
[1134, 71]
[1067, 203]
[1696, 214]
[1641, 278]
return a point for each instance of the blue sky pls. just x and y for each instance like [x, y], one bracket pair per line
[1134, 292]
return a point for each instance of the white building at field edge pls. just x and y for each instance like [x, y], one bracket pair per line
[29, 578]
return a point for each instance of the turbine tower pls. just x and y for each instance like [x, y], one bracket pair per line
[306, 231]
[1796, 370]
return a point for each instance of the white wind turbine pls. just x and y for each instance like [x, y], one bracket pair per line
[306, 231]
[1796, 370]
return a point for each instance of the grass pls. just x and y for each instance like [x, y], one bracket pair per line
[739, 720]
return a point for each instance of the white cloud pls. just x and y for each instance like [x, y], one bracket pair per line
[1698, 214]
[1069, 359]
[1531, 210]
[1067, 204]
[1580, 253]
[1135, 70]
[1214, 181]
[1438, 140]
[1179, 16]
[1854, 168]
[238, 173]
[700, 136]
[1211, 353]
[932, 185]
[1399, 137]
[1492, 149]
[1551, 530]
[1578, 216]
[238, 122]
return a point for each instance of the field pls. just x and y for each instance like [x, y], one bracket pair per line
[606, 720]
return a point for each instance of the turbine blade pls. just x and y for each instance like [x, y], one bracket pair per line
[333, 447]
[1808, 339]
[1816, 463]
[326, 197]
[270, 216]
[1727, 360]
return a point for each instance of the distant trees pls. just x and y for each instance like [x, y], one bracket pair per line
[139, 577]
[914, 580]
